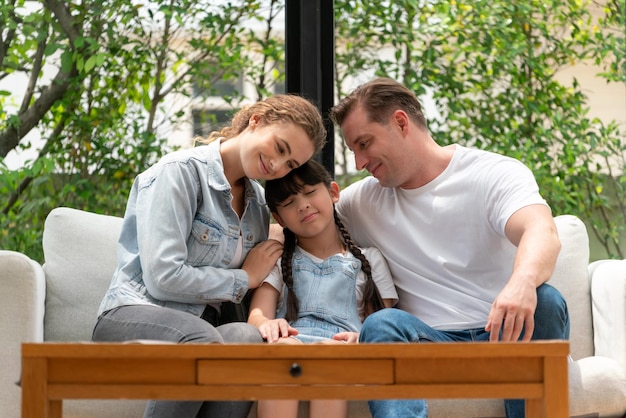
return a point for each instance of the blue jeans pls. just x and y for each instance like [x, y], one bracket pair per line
[164, 324]
[394, 325]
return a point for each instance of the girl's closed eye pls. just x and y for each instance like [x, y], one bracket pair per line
[309, 190]
[286, 203]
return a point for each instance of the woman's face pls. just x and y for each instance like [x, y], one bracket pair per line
[273, 150]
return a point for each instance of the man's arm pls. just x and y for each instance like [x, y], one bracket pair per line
[533, 231]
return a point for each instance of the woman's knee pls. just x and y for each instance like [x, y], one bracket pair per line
[138, 322]
[240, 332]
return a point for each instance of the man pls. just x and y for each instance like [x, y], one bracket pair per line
[469, 240]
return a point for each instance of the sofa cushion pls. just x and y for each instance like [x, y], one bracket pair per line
[608, 287]
[571, 278]
[80, 257]
[597, 384]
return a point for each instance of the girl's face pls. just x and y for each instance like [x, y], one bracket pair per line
[310, 212]
[273, 150]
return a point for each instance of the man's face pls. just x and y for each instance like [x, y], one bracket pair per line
[377, 147]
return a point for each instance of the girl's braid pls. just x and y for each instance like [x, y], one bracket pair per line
[292, 299]
[372, 301]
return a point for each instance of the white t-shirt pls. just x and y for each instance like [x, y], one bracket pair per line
[380, 275]
[444, 242]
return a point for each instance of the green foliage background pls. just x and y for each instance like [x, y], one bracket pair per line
[490, 66]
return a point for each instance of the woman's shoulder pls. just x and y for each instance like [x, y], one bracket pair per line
[187, 158]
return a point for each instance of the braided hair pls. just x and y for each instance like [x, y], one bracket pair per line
[372, 301]
[276, 192]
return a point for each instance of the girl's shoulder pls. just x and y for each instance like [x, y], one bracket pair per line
[372, 254]
[377, 261]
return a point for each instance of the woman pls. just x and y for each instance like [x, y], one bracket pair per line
[195, 235]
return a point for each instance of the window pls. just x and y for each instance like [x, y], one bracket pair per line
[280, 87]
[206, 121]
[218, 88]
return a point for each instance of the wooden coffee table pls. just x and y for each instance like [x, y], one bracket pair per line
[535, 371]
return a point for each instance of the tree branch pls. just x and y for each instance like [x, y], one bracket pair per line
[9, 138]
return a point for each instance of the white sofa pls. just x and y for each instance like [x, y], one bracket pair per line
[58, 302]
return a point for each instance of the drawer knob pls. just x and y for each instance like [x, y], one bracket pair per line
[295, 370]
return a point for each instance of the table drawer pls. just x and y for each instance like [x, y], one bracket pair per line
[300, 371]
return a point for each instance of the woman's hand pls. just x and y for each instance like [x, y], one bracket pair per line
[275, 329]
[260, 261]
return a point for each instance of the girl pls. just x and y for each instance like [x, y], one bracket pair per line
[330, 284]
[195, 235]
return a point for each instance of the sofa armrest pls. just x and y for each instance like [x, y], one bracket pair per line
[22, 298]
[22, 293]
[608, 292]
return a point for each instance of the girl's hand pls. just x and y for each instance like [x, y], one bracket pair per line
[275, 329]
[260, 261]
[347, 337]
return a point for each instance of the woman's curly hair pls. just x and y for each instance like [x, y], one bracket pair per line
[280, 108]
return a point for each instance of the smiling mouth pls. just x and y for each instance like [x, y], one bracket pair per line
[309, 217]
[374, 169]
[264, 169]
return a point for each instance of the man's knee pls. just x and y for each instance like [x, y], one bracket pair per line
[551, 315]
[551, 302]
[374, 324]
[386, 325]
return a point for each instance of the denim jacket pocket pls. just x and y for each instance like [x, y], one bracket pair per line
[203, 244]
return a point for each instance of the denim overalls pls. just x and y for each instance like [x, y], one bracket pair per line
[326, 294]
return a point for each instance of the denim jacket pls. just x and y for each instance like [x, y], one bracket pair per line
[180, 234]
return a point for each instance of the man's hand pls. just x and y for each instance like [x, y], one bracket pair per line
[260, 261]
[513, 311]
[532, 230]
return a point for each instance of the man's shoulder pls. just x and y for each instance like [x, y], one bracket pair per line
[489, 164]
[485, 156]
[367, 184]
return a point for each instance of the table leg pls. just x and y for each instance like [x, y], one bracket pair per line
[55, 409]
[556, 387]
[534, 408]
[34, 396]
